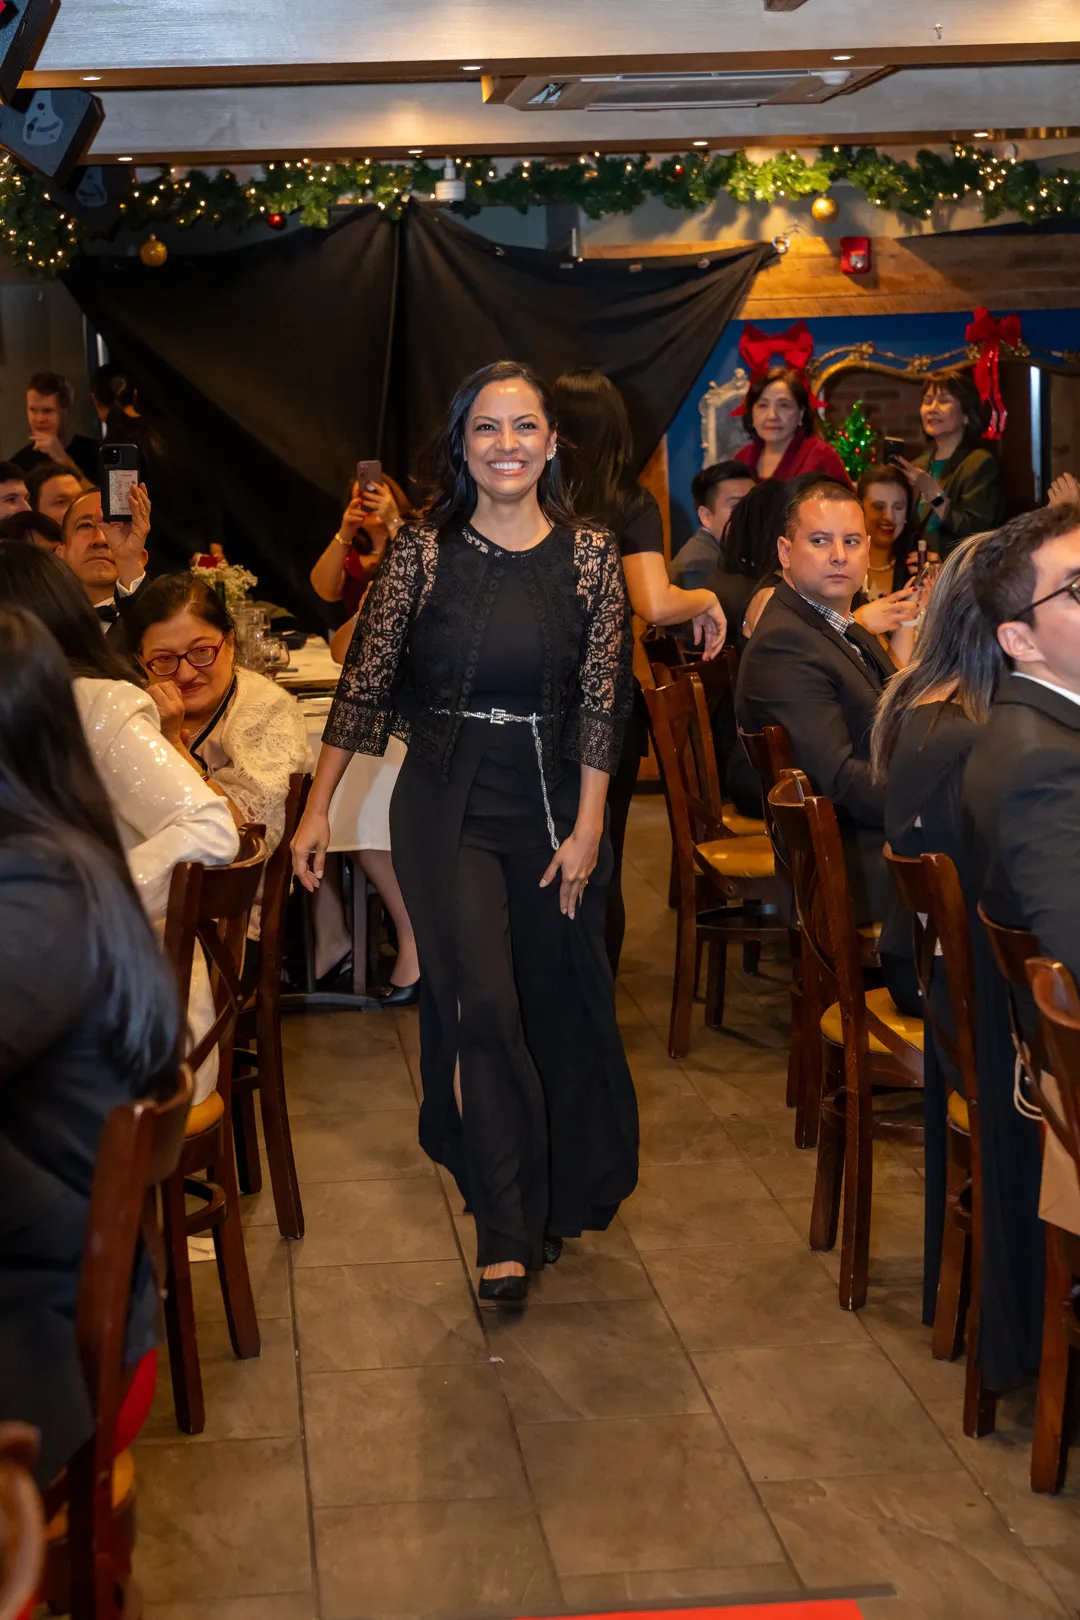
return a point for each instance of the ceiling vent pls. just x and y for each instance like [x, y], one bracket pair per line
[677, 92]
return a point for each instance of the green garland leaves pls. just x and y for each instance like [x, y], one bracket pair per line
[37, 234]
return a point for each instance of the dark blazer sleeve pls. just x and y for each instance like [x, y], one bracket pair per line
[1038, 834]
[975, 497]
[793, 687]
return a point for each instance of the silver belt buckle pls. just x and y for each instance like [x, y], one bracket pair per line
[499, 717]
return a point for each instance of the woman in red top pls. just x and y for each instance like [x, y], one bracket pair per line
[785, 434]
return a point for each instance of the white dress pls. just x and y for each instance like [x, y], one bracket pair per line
[165, 814]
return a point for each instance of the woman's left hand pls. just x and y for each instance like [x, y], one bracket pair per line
[575, 859]
[710, 629]
[920, 480]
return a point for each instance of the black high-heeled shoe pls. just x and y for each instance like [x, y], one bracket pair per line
[552, 1250]
[399, 995]
[503, 1290]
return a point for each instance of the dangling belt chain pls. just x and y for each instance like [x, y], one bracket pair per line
[502, 717]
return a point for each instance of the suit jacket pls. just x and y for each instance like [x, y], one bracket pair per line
[798, 672]
[972, 481]
[1022, 808]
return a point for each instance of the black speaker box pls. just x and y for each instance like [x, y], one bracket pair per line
[94, 194]
[24, 25]
[49, 130]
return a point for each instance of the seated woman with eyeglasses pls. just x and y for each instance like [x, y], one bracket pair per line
[243, 734]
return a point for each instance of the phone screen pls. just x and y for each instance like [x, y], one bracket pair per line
[120, 482]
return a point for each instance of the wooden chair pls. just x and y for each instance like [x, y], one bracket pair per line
[257, 1059]
[724, 881]
[929, 888]
[209, 907]
[1058, 1007]
[91, 1507]
[871, 1051]
[22, 1520]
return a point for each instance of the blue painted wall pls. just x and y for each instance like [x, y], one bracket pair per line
[900, 334]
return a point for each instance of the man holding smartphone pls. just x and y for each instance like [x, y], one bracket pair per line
[108, 559]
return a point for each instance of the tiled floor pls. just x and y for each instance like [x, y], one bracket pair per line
[683, 1412]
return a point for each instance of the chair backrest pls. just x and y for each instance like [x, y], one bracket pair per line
[276, 890]
[769, 752]
[1058, 1007]
[22, 1519]
[682, 738]
[1013, 948]
[662, 648]
[139, 1149]
[209, 906]
[929, 887]
[807, 824]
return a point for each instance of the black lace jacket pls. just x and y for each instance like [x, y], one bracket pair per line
[415, 646]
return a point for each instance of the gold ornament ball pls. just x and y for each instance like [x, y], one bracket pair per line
[153, 253]
[824, 209]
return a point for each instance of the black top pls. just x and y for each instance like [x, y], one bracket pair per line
[644, 530]
[82, 450]
[412, 665]
[510, 662]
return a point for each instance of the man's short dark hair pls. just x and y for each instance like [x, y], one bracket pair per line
[819, 489]
[43, 473]
[51, 382]
[708, 480]
[1003, 569]
[11, 474]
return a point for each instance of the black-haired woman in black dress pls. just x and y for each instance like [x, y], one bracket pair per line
[496, 643]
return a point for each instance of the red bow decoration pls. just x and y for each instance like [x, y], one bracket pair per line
[794, 348]
[991, 334]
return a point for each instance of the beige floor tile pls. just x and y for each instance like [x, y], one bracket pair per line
[681, 1130]
[663, 1493]
[316, 1092]
[701, 1206]
[840, 1410]
[268, 1267]
[409, 1435]
[589, 1272]
[934, 1536]
[769, 1144]
[433, 1561]
[374, 1222]
[754, 1293]
[355, 1317]
[756, 1583]
[892, 1316]
[593, 1361]
[294, 1606]
[341, 1032]
[254, 1399]
[1060, 1566]
[223, 1520]
[358, 1147]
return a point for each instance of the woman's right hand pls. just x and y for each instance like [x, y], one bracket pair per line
[353, 516]
[380, 504]
[166, 694]
[887, 613]
[309, 848]
[710, 630]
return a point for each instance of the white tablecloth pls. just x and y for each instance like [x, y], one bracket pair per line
[360, 809]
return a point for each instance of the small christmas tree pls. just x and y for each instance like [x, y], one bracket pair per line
[854, 441]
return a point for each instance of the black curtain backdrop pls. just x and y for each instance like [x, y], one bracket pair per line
[273, 368]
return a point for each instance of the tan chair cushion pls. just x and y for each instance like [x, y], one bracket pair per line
[882, 1005]
[743, 826]
[739, 857]
[205, 1114]
[958, 1112]
[870, 930]
[123, 1483]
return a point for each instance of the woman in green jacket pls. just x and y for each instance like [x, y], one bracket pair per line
[957, 482]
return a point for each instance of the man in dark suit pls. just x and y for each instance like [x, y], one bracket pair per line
[108, 559]
[810, 668]
[1022, 783]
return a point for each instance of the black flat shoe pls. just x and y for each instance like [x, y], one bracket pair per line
[503, 1290]
[399, 995]
[552, 1250]
[339, 977]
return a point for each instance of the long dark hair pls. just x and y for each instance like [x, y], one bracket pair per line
[37, 581]
[956, 647]
[596, 447]
[163, 598]
[443, 472]
[757, 523]
[809, 421]
[960, 385]
[52, 800]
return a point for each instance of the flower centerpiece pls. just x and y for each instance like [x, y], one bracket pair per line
[232, 581]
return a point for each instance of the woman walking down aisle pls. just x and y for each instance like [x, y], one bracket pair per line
[496, 642]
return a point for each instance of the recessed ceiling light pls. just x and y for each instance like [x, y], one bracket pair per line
[472, 67]
[701, 143]
[125, 160]
[841, 58]
[980, 134]
[416, 151]
[91, 78]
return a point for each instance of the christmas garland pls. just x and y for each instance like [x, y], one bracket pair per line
[39, 235]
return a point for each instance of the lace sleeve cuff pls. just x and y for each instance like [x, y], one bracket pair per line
[358, 727]
[594, 739]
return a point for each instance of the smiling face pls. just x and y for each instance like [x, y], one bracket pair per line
[942, 415]
[826, 554]
[885, 508]
[55, 495]
[85, 548]
[507, 440]
[44, 415]
[776, 415]
[202, 689]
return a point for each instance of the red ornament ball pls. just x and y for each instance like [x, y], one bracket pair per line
[678, 168]
[276, 222]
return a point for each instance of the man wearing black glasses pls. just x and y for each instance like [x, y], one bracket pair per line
[1022, 784]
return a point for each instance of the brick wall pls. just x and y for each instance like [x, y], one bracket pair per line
[891, 403]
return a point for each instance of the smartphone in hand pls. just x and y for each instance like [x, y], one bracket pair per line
[891, 448]
[368, 472]
[118, 469]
